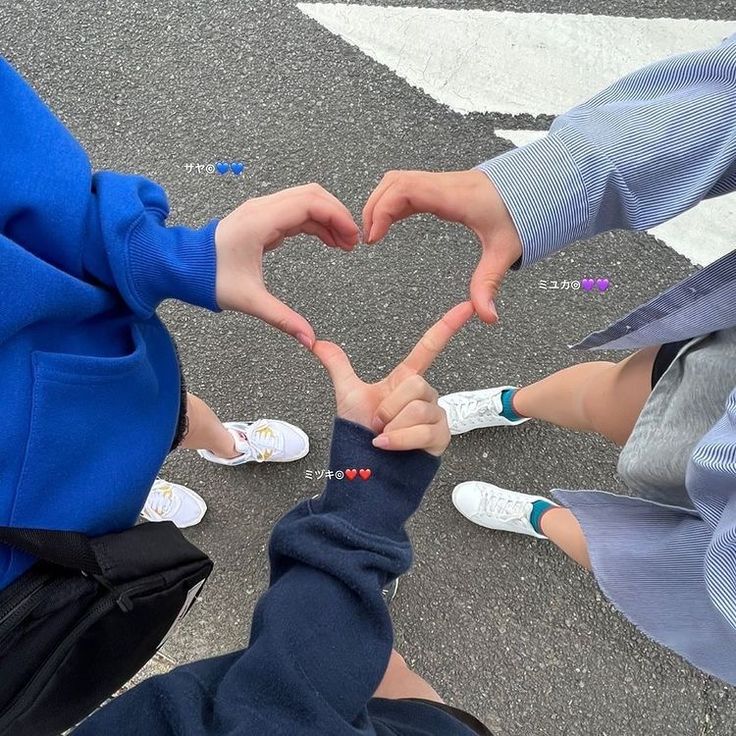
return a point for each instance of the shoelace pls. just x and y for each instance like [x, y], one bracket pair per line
[501, 507]
[475, 407]
[265, 442]
[162, 500]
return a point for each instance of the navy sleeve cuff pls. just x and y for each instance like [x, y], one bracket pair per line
[374, 490]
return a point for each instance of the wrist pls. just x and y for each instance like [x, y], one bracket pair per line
[172, 263]
[543, 190]
[491, 219]
[389, 490]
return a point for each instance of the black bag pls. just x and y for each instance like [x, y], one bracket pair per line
[82, 621]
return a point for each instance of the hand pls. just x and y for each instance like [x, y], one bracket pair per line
[403, 406]
[262, 224]
[467, 197]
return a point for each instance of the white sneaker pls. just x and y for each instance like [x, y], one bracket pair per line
[468, 410]
[496, 508]
[267, 440]
[173, 502]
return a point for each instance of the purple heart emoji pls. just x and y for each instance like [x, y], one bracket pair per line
[237, 168]
[222, 167]
[602, 284]
[587, 284]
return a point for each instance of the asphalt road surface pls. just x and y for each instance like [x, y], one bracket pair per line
[503, 626]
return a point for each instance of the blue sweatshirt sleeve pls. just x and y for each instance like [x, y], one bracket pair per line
[637, 154]
[321, 635]
[108, 229]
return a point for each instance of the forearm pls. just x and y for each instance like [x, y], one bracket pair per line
[107, 230]
[322, 633]
[140, 256]
[637, 154]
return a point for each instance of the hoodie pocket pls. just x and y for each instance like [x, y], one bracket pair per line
[71, 370]
[94, 445]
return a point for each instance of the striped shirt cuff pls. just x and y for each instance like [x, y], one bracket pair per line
[545, 192]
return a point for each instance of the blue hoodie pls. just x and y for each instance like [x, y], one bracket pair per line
[90, 399]
[321, 635]
[90, 385]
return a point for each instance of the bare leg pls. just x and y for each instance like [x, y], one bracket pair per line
[563, 529]
[400, 682]
[597, 397]
[206, 431]
[592, 397]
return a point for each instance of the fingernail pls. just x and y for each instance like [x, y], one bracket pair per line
[370, 233]
[305, 340]
[381, 442]
[494, 312]
[377, 425]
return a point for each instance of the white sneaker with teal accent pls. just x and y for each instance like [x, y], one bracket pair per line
[467, 410]
[264, 441]
[174, 502]
[496, 508]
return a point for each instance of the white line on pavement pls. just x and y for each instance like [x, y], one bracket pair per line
[507, 62]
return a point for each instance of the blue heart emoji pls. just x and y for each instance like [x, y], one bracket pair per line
[237, 168]
[222, 167]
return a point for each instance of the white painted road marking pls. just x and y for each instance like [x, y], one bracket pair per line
[506, 62]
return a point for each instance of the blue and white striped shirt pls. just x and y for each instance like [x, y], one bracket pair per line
[641, 152]
[646, 149]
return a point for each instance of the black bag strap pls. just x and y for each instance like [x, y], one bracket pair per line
[67, 549]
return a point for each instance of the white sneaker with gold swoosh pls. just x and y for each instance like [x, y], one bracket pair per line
[264, 441]
[173, 502]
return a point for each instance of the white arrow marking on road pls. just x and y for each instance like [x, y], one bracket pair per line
[490, 61]
[506, 62]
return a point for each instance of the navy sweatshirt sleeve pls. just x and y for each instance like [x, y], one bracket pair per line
[105, 229]
[321, 635]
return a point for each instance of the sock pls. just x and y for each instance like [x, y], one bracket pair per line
[538, 508]
[507, 411]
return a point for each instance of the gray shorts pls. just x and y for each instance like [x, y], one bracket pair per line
[685, 403]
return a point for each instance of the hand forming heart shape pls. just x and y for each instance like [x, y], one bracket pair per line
[403, 393]
[262, 224]
[403, 407]
[258, 225]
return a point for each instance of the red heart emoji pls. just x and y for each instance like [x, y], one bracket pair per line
[350, 473]
[364, 473]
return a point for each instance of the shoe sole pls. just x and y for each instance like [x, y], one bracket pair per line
[392, 589]
[508, 423]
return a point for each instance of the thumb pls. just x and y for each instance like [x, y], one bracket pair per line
[277, 314]
[486, 282]
[335, 362]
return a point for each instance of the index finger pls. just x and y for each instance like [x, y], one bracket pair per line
[370, 205]
[398, 197]
[313, 203]
[436, 338]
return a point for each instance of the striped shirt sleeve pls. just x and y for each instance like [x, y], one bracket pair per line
[637, 154]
